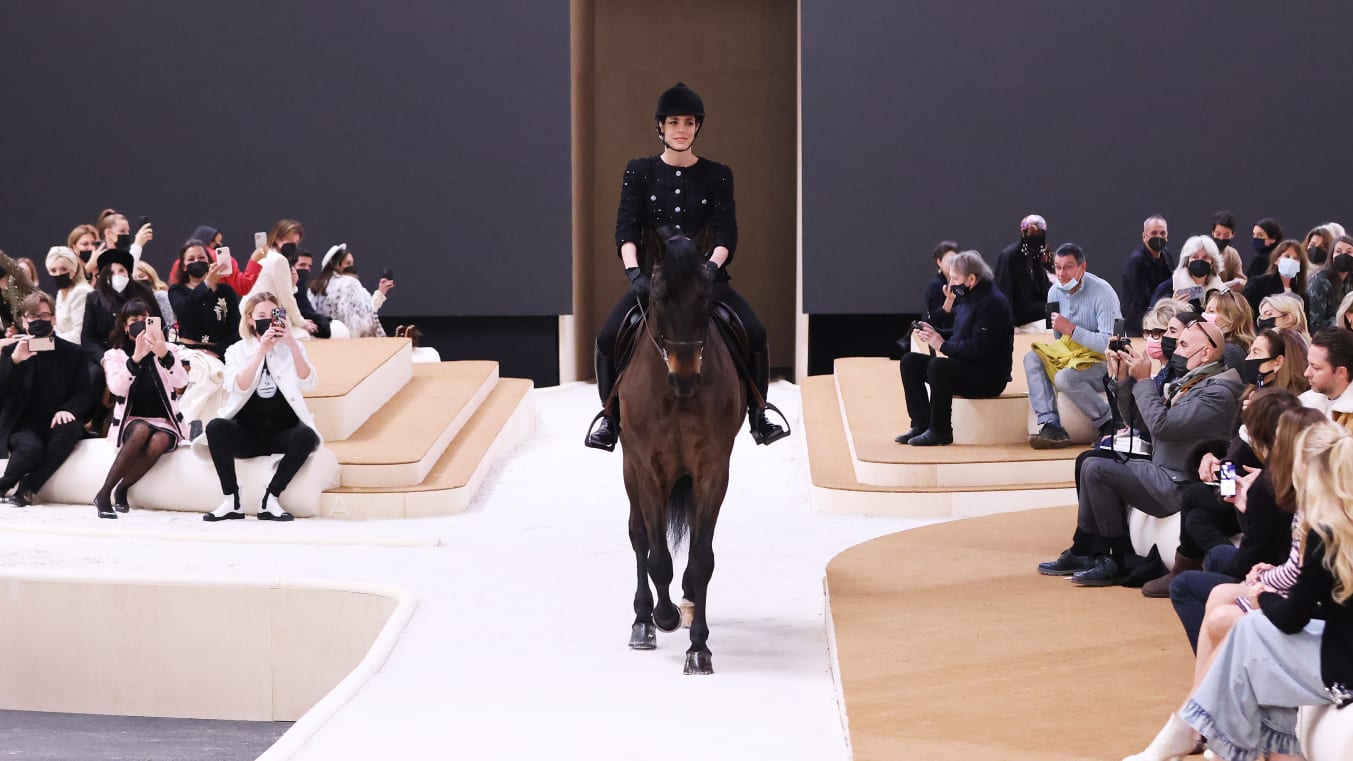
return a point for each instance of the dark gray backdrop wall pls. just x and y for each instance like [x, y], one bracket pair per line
[926, 119]
[431, 137]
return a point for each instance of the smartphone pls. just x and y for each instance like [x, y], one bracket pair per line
[1226, 479]
[388, 274]
[1243, 604]
[41, 344]
[279, 316]
[260, 241]
[1048, 309]
[145, 220]
[153, 322]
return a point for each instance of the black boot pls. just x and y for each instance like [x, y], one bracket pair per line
[608, 431]
[763, 431]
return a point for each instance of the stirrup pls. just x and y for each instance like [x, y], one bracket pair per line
[589, 441]
[770, 438]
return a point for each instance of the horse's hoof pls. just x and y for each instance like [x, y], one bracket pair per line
[643, 637]
[668, 620]
[698, 663]
[687, 613]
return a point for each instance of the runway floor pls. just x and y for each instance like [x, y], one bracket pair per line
[517, 649]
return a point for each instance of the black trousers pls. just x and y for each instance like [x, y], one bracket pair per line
[36, 453]
[229, 440]
[947, 377]
[1206, 520]
[756, 332]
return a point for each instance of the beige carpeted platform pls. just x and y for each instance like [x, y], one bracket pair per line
[348, 362]
[951, 646]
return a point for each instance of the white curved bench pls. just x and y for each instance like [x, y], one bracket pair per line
[1325, 733]
[1148, 530]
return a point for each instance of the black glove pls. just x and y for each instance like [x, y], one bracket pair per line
[711, 269]
[638, 281]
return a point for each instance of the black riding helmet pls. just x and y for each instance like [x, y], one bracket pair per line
[680, 100]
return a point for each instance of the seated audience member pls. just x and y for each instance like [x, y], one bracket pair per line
[1282, 657]
[1196, 275]
[315, 323]
[1231, 269]
[1277, 359]
[208, 309]
[936, 295]
[1074, 364]
[1207, 522]
[977, 349]
[1329, 368]
[1284, 311]
[112, 227]
[84, 241]
[239, 279]
[1343, 315]
[1287, 273]
[145, 376]
[43, 394]
[1230, 311]
[1318, 244]
[113, 287]
[14, 288]
[1265, 237]
[266, 373]
[1160, 347]
[72, 289]
[1023, 273]
[1329, 286]
[338, 295]
[146, 275]
[29, 269]
[1202, 404]
[1148, 266]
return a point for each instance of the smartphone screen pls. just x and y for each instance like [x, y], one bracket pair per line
[260, 241]
[1226, 479]
[1048, 309]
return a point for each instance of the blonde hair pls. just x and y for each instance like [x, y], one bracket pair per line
[108, 218]
[144, 268]
[57, 254]
[247, 312]
[1239, 317]
[1345, 307]
[283, 229]
[1159, 316]
[1289, 305]
[79, 232]
[1325, 494]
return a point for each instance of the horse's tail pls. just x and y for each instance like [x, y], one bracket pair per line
[679, 509]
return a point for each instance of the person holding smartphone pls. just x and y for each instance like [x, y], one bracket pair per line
[338, 294]
[1086, 320]
[266, 373]
[44, 391]
[145, 377]
[977, 354]
[208, 309]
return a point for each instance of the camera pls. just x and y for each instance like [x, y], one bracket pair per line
[1118, 343]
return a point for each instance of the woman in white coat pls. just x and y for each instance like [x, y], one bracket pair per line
[265, 374]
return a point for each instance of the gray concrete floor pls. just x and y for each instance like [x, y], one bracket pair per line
[82, 737]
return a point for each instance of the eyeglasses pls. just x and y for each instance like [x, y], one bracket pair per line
[1191, 323]
[42, 316]
[1153, 333]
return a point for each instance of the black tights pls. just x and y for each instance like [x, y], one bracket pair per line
[142, 445]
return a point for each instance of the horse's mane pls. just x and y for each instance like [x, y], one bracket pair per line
[681, 262]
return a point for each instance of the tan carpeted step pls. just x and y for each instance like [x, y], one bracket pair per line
[399, 444]
[356, 378]
[951, 647]
[504, 419]
[836, 490]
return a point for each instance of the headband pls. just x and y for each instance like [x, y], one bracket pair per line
[328, 257]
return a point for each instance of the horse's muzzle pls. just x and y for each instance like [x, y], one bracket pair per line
[684, 360]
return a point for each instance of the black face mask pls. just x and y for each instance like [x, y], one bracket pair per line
[261, 326]
[39, 328]
[288, 250]
[1035, 241]
[197, 270]
[1200, 268]
[1156, 244]
[1250, 374]
[1260, 247]
[84, 256]
[136, 328]
[124, 243]
[62, 281]
[1266, 323]
[1167, 347]
[1317, 255]
[1343, 262]
[1179, 364]
[301, 276]
[959, 291]
[1222, 243]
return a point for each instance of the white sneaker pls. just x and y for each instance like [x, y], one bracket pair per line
[229, 510]
[271, 510]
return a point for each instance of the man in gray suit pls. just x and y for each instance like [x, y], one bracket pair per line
[1202, 404]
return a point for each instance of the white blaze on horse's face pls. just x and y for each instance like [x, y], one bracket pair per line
[684, 360]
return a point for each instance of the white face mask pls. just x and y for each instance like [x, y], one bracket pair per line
[1070, 285]
[119, 282]
[1288, 268]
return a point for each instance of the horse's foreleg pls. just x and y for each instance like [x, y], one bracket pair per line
[642, 634]
[700, 569]
[665, 614]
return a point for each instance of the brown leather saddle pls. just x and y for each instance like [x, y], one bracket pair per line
[725, 320]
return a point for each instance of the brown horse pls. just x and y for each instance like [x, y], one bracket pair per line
[682, 402]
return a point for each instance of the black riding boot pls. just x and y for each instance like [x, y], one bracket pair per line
[608, 431]
[763, 431]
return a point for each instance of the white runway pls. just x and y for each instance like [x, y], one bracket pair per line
[518, 646]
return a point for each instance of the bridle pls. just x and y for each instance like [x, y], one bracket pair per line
[661, 344]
